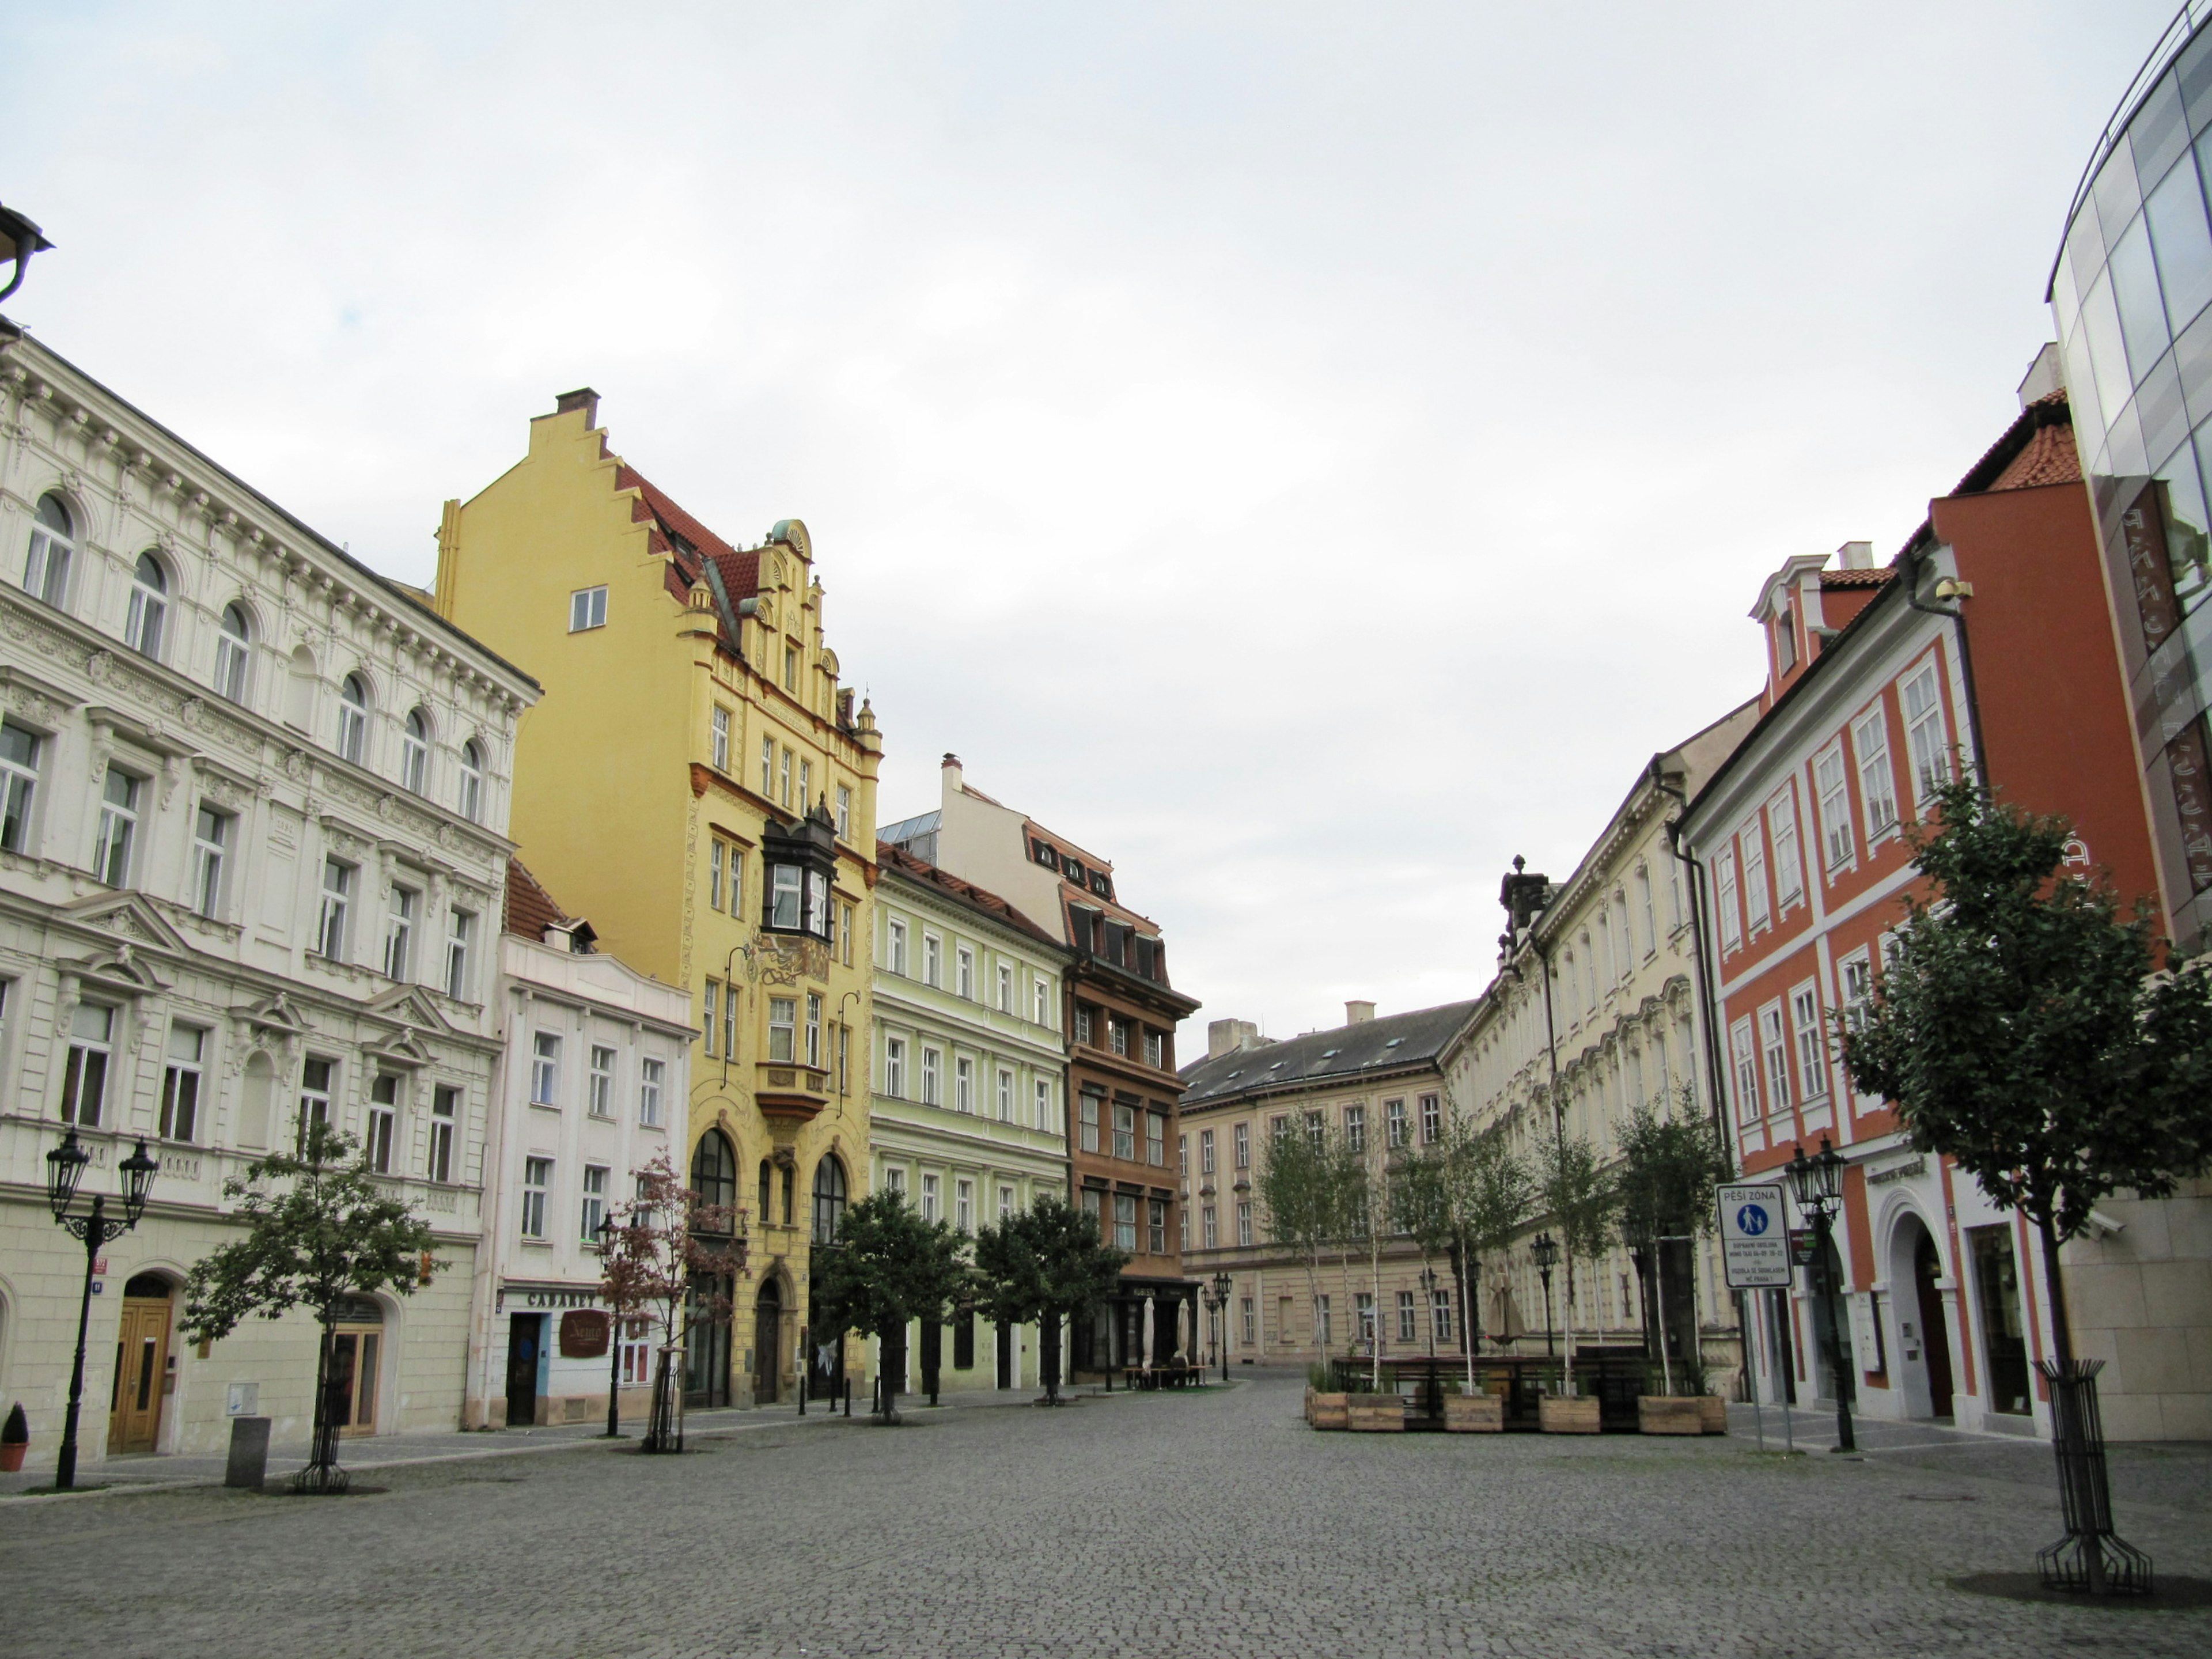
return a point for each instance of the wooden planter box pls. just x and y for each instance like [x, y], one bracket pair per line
[1658, 1414]
[1715, 1413]
[1555, 1415]
[1474, 1413]
[1329, 1410]
[1376, 1414]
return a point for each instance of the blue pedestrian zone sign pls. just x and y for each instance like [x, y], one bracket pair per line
[1754, 1237]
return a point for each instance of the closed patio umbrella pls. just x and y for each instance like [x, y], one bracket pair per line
[1148, 1333]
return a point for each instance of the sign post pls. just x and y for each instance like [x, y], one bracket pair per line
[1755, 1256]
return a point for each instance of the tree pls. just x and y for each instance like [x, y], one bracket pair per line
[1043, 1265]
[672, 1251]
[1663, 1197]
[318, 1231]
[1488, 1195]
[889, 1266]
[1577, 1190]
[2025, 1031]
[1296, 1203]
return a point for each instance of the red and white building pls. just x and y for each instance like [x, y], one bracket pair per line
[1984, 644]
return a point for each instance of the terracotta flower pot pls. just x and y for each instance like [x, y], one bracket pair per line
[11, 1456]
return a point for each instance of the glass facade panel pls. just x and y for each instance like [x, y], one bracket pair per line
[2134, 291]
[2182, 243]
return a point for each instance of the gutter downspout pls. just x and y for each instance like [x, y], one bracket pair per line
[1708, 1015]
[1919, 556]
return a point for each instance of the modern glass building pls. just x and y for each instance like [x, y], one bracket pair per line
[2132, 293]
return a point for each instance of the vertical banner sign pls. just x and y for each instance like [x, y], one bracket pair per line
[2143, 530]
[1754, 1237]
[2186, 767]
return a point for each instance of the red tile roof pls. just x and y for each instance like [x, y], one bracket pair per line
[1854, 578]
[898, 858]
[530, 908]
[2049, 458]
[690, 542]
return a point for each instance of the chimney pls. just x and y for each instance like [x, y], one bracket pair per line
[1358, 1013]
[2046, 375]
[1226, 1036]
[582, 397]
[1856, 555]
[952, 776]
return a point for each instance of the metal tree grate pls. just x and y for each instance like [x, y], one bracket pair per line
[2090, 1559]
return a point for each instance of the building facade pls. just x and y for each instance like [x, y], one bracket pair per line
[1594, 1016]
[1118, 1017]
[1379, 1083]
[969, 1116]
[595, 1069]
[697, 782]
[252, 862]
[1984, 646]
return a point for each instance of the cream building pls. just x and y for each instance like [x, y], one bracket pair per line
[1381, 1083]
[1596, 1006]
[252, 862]
[969, 1118]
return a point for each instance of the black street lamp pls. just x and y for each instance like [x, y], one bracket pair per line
[1222, 1285]
[1428, 1295]
[606, 1230]
[18, 239]
[65, 1167]
[1817, 1183]
[1545, 1252]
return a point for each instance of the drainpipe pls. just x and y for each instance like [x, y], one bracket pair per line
[1708, 1015]
[1918, 555]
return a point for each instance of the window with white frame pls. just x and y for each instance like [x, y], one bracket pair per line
[964, 1206]
[353, 718]
[1206, 1154]
[212, 833]
[399, 932]
[1364, 1303]
[783, 776]
[148, 614]
[894, 1179]
[587, 609]
[601, 1100]
[1125, 1221]
[729, 1021]
[1209, 1227]
[1323, 1336]
[537, 1182]
[1838, 841]
[546, 1069]
[1857, 974]
[1644, 910]
[1432, 1119]
[180, 1082]
[1394, 1124]
[1355, 1127]
[1125, 1131]
[1812, 1048]
[928, 1196]
[1743, 1047]
[710, 1017]
[234, 654]
[1240, 1138]
[1155, 1139]
[1040, 1003]
[1089, 1111]
[805, 785]
[415, 753]
[721, 722]
[1005, 1096]
[1005, 1203]
[1924, 736]
[767, 767]
[844, 811]
[933, 1064]
[118, 827]
[1789, 866]
[1155, 1050]
[1156, 1226]
[1005, 988]
[1724, 899]
[1754, 874]
[814, 1029]
[338, 900]
[963, 1084]
[383, 1122]
[714, 855]
[964, 972]
[1777, 1054]
[1046, 1118]
[652, 1074]
[894, 1067]
[932, 958]
[1440, 1314]
[1409, 1318]
[444, 1109]
[1877, 783]
[594, 1208]
[894, 946]
[317, 1087]
[18, 784]
[782, 1028]
[53, 545]
[473, 777]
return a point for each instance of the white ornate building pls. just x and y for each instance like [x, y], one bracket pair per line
[252, 798]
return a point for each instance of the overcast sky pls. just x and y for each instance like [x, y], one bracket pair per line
[1308, 454]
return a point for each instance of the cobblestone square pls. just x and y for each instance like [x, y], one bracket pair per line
[1212, 1523]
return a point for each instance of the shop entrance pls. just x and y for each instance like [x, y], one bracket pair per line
[1006, 1356]
[356, 1361]
[2004, 1337]
[525, 1340]
[1934, 1330]
[142, 1367]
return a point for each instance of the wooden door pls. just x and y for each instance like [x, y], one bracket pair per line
[524, 1332]
[141, 1362]
[356, 1356]
[767, 1345]
[1934, 1330]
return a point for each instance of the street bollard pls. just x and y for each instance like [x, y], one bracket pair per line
[249, 1453]
[848, 1396]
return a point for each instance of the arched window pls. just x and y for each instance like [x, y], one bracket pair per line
[53, 544]
[232, 653]
[473, 781]
[829, 1199]
[149, 607]
[353, 718]
[714, 1173]
[415, 753]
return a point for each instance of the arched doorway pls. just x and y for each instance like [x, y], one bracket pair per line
[825, 1349]
[706, 1341]
[1923, 1338]
[142, 1366]
[768, 1343]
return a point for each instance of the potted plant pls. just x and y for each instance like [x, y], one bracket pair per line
[14, 1440]
[1477, 1412]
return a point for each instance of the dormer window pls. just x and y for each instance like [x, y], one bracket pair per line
[799, 864]
[1044, 854]
[1072, 867]
[1785, 639]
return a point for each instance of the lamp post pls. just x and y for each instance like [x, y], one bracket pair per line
[1428, 1295]
[1545, 1252]
[65, 1167]
[18, 239]
[1817, 1183]
[606, 1230]
[1222, 1285]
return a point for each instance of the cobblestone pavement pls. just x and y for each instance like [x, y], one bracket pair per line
[1211, 1523]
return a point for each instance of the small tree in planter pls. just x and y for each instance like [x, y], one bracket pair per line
[1045, 1264]
[1296, 1203]
[671, 1253]
[888, 1266]
[2025, 1031]
[1577, 1192]
[318, 1231]
[1663, 1195]
[1489, 1193]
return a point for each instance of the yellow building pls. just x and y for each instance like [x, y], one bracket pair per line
[698, 784]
